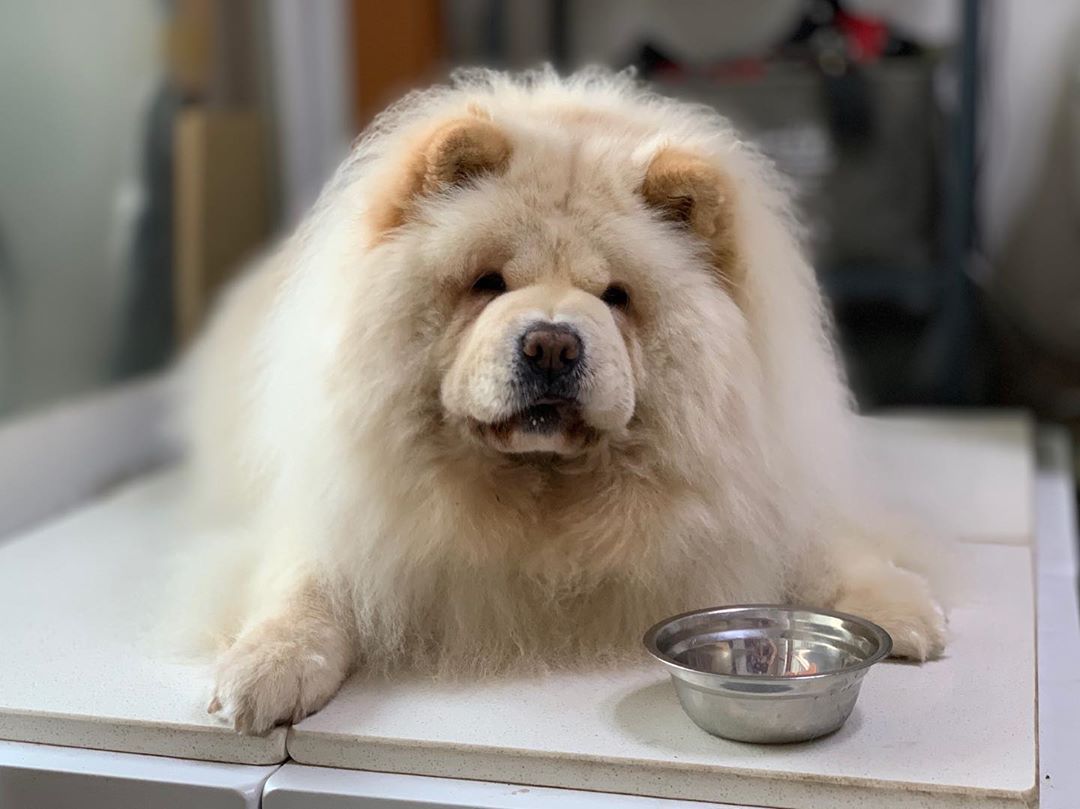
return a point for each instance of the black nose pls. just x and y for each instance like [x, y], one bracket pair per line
[551, 350]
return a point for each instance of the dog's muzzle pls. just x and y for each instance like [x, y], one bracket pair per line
[548, 375]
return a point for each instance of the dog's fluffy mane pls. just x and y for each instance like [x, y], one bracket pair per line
[322, 458]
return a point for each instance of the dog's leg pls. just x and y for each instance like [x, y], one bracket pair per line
[896, 599]
[284, 667]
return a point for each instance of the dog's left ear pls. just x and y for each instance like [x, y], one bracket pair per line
[688, 190]
[460, 151]
[456, 152]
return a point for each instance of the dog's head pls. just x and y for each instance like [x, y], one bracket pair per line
[559, 267]
[563, 280]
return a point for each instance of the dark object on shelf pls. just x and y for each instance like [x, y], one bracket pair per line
[865, 171]
[886, 180]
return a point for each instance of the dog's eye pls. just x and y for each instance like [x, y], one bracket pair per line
[616, 296]
[491, 282]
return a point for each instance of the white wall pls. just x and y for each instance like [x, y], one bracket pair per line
[1031, 43]
[75, 79]
[1031, 186]
[311, 96]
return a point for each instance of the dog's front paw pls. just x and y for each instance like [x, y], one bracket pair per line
[265, 681]
[900, 602]
[918, 631]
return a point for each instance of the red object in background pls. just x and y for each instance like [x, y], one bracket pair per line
[866, 36]
[748, 68]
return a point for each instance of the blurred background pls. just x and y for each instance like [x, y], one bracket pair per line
[148, 147]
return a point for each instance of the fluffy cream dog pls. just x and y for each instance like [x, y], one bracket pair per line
[544, 365]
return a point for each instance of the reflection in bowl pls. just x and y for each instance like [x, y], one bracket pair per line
[764, 673]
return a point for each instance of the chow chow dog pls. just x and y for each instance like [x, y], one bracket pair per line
[544, 365]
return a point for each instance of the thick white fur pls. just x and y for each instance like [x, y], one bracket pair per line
[359, 519]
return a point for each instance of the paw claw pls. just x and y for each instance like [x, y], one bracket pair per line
[214, 706]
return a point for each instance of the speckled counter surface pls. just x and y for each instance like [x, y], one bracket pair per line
[80, 664]
[956, 732]
[79, 599]
[969, 477]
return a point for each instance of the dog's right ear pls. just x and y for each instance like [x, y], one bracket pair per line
[457, 152]
[689, 191]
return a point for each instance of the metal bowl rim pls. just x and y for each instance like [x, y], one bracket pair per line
[884, 643]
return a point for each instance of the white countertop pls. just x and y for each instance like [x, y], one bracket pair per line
[968, 476]
[78, 596]
[81, 666]
[962, 728]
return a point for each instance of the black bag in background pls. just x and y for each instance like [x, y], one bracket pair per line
[862, 149]
[862, 145]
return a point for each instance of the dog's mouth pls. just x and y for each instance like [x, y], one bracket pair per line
[547, 416]
[550, 424]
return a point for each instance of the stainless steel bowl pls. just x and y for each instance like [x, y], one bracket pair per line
[765, 673]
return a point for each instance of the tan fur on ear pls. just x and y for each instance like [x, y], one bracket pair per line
[686, 189]
[461, 150]
[456, 152]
